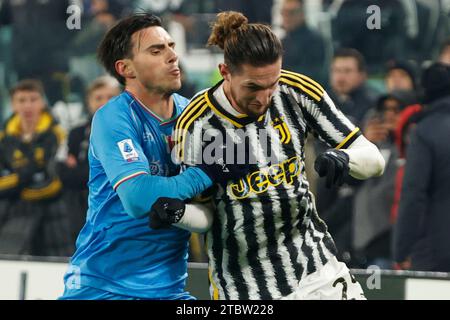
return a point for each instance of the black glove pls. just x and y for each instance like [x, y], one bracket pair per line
[222, 173]
[333, 164]
[166, 211]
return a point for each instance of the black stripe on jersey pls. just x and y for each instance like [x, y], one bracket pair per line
[302, 83]
[217, 252]
[317, 240]
[320, 226]
[305, 88]
[304, 80]
[290, 103]
[329, 244]
[312, 122]
[323, 108]
[333, 118]
[181, 132]
[287, 228]
[253, 249]
[195, 101]
[231, 243]
[299, 216]
[306, 249]
[269, 227]
[232, 247]
[350, 141]
[218, 243]
[272, 248]
[182, 119]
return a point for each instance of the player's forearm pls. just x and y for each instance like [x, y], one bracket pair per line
[197, 218]
[139, 194]
[365, 159]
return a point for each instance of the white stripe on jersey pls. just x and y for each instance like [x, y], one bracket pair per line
[240, 238]
[259, 216]
[292, 196]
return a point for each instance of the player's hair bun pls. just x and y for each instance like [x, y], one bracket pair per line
[226, 23]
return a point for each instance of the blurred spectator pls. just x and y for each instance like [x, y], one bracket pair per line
[99, 19]
[374, 197]
[430, 19]
[406, 124]
[35, 220]
[257, 11]
[354, 98]
[160, 7]
[401, 76]
[196, 15]
[350, 30]
[304, 49]
[421, 235]
[444, 52]
[348, 84]
[40, 37]
[74, 172]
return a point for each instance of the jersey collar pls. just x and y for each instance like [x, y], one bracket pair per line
[238, 121]
[161, 121]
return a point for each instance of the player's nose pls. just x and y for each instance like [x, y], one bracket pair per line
[173, 56]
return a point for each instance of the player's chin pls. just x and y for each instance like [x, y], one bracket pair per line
[258, 111]
[174, 85]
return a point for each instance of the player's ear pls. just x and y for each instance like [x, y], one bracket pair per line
[224, 71]
[125, 68]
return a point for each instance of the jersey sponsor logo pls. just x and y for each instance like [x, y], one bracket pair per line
[259, 181]
[128, 151]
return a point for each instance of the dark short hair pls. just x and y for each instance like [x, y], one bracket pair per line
[34, 85]
[435, 81]
[117, 42]
[243, 42]
[351, 53]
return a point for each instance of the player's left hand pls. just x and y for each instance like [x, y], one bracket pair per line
[334, 164]
[165, 212]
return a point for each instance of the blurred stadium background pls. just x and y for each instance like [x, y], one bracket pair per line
[45, 40]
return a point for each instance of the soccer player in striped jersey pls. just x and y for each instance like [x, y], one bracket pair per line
[267, 240]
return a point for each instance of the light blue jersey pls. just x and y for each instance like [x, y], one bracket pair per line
[116, 252]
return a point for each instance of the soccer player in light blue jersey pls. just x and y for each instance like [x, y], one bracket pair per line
[118, 256]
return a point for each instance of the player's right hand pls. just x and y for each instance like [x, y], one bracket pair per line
[222, 173]
[165, 212]
[334, 165]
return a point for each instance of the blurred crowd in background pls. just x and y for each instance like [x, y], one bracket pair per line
[372, 67]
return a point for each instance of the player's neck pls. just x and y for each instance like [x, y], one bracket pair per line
[158, 103]
[227, 91]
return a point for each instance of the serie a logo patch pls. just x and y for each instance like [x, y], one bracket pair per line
[127, 150]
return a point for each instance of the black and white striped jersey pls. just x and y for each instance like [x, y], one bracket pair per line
[266, 235]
